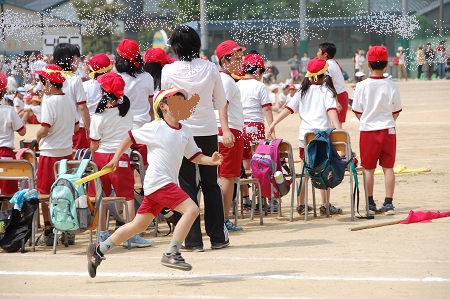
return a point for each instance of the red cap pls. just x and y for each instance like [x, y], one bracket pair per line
[99, 64]
[40, 56]
[291, 86]
[53, 73]
[317, 65]
[112, 83]
[157, 55]
[128, 49]
[377, 53]
[3, 81]
[255, 60]
[227, 47]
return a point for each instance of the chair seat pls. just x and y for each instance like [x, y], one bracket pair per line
[248, 181]
[111, 199]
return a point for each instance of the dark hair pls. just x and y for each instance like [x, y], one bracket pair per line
[227, 57]
[328, 84]
[252, 69]
[154, 69]
[125, 66]
[158, 110]
[123, 107]
[330, 48]
[378, 65]
[253, 52]
[63, 55]
[185, 42]
[57, 85]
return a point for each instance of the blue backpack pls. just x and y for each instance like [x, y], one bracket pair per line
[69, 209]
[325, 166]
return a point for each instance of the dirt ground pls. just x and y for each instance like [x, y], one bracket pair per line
[320, 258]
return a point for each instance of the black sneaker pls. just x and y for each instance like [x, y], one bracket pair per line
[175, 260]
[49, 237]
[220, 245]
[387, 209]
[301, 209]
[198, 248]
[70, 238]
[333, 210]
[373, 209]
[94, 258]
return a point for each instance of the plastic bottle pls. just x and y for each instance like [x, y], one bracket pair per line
[281, 183]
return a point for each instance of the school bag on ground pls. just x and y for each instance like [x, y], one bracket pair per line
[16, 224]
[323, 164]
[264, 163]
[70, 207]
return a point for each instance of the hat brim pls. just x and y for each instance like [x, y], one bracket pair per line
[47, 76]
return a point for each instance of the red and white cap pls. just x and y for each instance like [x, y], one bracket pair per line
[99, 64]
[112, 83]
[53, 73]
[377, 53]
[129, 49]
[227, 47]
[164, 94]
[254, 60]
[157, 55]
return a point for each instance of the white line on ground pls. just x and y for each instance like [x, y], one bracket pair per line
[227, 276]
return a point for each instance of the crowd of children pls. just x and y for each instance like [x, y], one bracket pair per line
[193, 124]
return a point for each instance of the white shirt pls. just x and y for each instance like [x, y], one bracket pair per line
[93, 94]
[37, 110]
[61, 118]
[254, 97]
[201, 77]
[110, 129]
[313, 109]
[138, 90]
[336, 75]
[9, 122]
[166, 148]
[73, 88]
[233, 96]
[376, 100]
[283, 98]
[18, 104]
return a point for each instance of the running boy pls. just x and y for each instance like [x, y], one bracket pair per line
[167, 141]
[376, 103]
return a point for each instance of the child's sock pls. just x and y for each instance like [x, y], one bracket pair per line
[106, 246]
[174, 246]
[388, 200]
[371, 201]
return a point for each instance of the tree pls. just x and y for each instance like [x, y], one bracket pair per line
[98, 17]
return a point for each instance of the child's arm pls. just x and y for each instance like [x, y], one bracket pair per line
[94, 146]
[270, 133]
[228, 137]
[151, 111]
[332, 114]
[84, 112]
[215, 159]
[42, 132]
[123, 146]
[267, 111]
[395, 115]
[23, 131]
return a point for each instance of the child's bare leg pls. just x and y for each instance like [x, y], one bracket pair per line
[369, 174]
[131, 210]
[138, 225]
[389, 181]
[227, 185]
[322, 194]
[190, 212]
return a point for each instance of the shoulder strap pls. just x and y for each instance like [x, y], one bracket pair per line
[328, 131]
[62, 166]
[82, 167]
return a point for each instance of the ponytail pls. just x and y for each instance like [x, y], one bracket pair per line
[329, 84]
[124, 106]
[305, 86]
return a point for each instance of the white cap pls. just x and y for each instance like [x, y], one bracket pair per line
[21, 90]
[359, 74]
[273, 87]
[28, 87]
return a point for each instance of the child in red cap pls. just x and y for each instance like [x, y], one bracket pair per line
[168, 141]
[9, 122]
[376, 103]
[109, 125]
[59, 120]
[154, 61]
[315, 103]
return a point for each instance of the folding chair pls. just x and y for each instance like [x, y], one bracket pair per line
[21, 170]
[341, 142]
[285, 151]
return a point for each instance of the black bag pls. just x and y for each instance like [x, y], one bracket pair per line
[18, 230]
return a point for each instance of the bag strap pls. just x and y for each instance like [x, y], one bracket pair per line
[82, 167]
[62, 166]
[356, 190]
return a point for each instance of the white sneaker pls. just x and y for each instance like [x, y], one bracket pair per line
[137, 241]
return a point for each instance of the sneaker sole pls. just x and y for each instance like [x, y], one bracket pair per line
[184, 249]
[185, 267]
[220, 246]
[390, 212]
[89, 252]
[134, 245]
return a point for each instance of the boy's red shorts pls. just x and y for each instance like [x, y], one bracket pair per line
[80, 140]
[122, 180]
[8, 187]
[232, 156]
[253, 133]
[342, 98]
[169, 196]
[45, 175]
[377, 146]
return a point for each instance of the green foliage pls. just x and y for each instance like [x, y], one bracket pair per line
[183, 10]
[99, 20]
[333, 8]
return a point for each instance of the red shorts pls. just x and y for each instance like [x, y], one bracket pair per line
[142, 149]
[170, 196]
[342, 98]
[122, 180]
[8, 187]
[301, 151]
[232, 156]
[377, 146]
[33, 120]
[45, 175]
[253, 132]
[80, 140]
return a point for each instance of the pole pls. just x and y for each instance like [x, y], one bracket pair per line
[303, 33]
[441, 17]
[203, 27]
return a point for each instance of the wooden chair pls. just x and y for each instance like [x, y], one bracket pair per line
[341, 142]
[285, 151]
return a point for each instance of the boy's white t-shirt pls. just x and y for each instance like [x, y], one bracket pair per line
[376, 100]
[93, 94]
[233, 96]
[18, 104]
[73, 88]
[110, 129]
[61, 119]
[37, 110]
[9, 122]
[166, 148]
[254, 97]
[336, 75]
[283, 98]
[313, 109]
[138, 89]
[201, 77]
